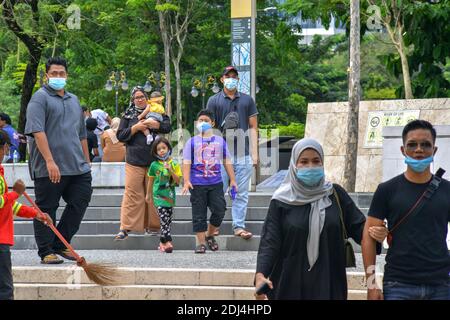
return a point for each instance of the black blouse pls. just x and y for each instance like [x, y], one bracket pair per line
[138, 151]
[282, 253]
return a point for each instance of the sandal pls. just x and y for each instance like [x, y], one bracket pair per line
[244, 234]
[201, 248]
[169, 248]
[212, 243]
[122, 235]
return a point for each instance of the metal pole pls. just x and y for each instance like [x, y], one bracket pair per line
[256, 171]
[117, 100]
[253, 52]
[203, 99]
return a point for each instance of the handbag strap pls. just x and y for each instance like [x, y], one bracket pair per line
[341, 215]
[426, 195]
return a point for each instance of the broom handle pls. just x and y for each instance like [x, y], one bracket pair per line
[58, 234]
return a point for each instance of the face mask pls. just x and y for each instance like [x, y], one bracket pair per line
[57, 83]
[310, 176]
[203, 126]
[418, 165]
[166, 157]
[230, 83]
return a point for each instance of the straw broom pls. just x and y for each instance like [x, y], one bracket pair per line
[101, 274]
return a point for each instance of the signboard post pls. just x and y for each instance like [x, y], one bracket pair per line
[243, 40]
[243, 53]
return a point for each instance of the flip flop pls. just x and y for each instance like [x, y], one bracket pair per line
[244, 234]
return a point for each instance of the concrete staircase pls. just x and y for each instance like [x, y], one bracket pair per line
[102, 222]
[71, 283]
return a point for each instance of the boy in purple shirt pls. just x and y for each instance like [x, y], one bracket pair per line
[202, 158]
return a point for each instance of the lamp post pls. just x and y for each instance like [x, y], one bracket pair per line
[116, 79]
[203, 84]
[158, 79]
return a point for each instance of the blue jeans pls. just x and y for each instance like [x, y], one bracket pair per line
[394, 290]
[243, 172]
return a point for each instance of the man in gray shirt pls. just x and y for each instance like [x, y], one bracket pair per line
[59, 160]
[236, 115]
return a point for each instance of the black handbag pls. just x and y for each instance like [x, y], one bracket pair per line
[350, 260]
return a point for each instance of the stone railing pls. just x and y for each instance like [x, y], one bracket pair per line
[104, 174]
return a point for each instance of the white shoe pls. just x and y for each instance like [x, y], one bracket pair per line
[149, 139]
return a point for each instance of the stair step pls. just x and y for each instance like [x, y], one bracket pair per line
[113, 198]
[147, 292]
[132, 292]
[67, 283]
[112, 227]
[156, 276]
[140, 242]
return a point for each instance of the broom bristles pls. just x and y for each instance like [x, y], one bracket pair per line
[102, 274]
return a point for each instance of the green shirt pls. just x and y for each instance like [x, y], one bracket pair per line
[163, 185]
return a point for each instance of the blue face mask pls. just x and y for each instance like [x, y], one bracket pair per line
[165, 157]
[57, 83]
[203, 126]
[310, 176]
[418, 165]
[230, 83]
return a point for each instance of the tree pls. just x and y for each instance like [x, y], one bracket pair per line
[34, 44]
[175, 18]
[392, 15]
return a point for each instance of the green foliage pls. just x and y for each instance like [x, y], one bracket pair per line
[294, 129]
[124, 35]
[379, 94]
[10, 100]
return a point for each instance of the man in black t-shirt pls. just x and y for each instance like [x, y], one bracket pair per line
[418, 261]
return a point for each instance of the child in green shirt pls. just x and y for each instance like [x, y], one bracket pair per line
[164, 175]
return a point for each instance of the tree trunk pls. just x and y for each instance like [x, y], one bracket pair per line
[176, 66]
[353, 100]
[29, 81]
[405, 66]
[166, 42]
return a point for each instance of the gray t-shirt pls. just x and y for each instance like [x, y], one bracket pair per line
[220, 104]
[62, 120]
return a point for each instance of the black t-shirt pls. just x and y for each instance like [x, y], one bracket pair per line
[418, 253]
[92, 142]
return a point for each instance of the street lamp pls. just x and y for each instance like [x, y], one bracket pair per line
[116, 79]
[158, 79]
[203, 84]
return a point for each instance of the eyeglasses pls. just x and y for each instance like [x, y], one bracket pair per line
[425, 146]
[139, 98]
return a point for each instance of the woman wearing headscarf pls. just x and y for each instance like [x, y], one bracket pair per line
[302, 243]
[136, 214]
[113, 149]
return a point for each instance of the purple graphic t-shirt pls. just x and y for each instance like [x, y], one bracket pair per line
[206, 155]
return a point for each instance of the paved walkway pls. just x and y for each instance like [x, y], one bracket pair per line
[177, 259]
